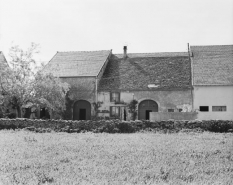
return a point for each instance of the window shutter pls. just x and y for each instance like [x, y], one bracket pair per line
[110, 111]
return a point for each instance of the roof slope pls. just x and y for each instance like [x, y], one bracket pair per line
[212, 65]
[78, 63]
[3, 62]
[168, 70]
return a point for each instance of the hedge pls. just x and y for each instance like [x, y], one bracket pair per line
[115, 126]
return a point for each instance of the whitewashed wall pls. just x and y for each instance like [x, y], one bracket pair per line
[214, 96]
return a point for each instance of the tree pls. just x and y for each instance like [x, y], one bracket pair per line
[50, 92]
[133, 109]
[20, 83]
[16, 80]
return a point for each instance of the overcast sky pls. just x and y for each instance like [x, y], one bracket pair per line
[142, 25]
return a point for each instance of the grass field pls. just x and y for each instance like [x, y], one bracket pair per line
[140, 158]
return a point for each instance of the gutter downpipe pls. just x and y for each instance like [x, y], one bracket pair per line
[191, 78]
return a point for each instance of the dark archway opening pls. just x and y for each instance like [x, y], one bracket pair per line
[27, 113]
[82, 110]
[44, 113]
[145, 107]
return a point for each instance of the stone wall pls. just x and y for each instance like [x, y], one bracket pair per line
[164, 116]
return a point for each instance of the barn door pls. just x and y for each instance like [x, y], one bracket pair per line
[82, 110]
[145, 107]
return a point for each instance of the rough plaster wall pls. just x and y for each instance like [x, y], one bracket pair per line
[165, 99]
[82, 88]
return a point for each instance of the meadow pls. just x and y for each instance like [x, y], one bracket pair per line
[100, 158]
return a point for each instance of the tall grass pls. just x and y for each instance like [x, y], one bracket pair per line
[140, 158]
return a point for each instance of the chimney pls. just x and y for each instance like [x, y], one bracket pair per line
[125, 52]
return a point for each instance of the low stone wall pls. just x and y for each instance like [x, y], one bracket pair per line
[163, 116]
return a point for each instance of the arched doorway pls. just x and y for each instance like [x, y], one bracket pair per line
[44, 113]
[145, 107]
[82, 110]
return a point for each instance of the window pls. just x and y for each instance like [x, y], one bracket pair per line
[114, 96]
[114, 111]
[170, 110]
[204, 108]
[219, 108]
[180, 110]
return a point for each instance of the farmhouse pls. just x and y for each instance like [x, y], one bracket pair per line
[102, 83]
[160, 82]
[169, 83]
[212, 69]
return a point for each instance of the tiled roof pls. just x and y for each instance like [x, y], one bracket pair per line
[78, 63]
[168, 70]
[212, 65]
[3, 62]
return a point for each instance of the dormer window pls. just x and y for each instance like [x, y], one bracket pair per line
[114, 97]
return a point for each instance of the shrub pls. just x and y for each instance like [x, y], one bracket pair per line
[11, 115]
[126, 127]
[114, 126]
[218, 126]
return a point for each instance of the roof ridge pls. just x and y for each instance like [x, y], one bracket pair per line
[210, 45]
[151, 53]
[82, 51]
